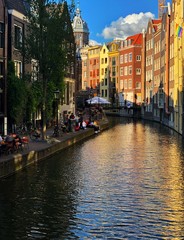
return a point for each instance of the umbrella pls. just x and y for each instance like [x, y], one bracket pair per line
[97, 100]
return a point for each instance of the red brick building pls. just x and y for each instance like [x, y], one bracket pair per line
[130, 69]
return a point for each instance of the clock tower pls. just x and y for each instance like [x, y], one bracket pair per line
[80, 29]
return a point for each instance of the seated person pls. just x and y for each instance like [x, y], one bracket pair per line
[94, 125]
[77, 127]
[83, 125]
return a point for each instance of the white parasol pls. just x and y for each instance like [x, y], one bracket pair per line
[97, 100]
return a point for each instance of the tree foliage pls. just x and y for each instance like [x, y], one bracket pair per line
[17, 92]
[47, 41]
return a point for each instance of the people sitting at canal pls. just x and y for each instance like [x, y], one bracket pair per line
[77, 126]
[83, 125]
[94, 125]
[71, 123]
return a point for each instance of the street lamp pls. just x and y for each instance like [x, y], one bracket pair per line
[56, 97]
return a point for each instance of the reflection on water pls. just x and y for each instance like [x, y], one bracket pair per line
[125, 183]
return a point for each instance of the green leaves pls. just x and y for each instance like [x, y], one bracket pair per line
[50, 42]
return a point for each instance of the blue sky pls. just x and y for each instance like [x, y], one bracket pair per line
[108, 19]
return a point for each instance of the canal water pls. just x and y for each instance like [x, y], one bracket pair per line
[124, 183]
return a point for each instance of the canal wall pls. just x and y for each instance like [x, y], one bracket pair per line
[15, 162]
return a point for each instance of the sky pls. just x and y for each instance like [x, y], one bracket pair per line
[109, 19]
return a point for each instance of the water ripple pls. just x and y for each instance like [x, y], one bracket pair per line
[126, 183]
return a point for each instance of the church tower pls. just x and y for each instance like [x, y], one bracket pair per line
[80, 29]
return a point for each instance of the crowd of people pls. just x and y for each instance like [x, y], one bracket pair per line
[70, 122]
[73, 123]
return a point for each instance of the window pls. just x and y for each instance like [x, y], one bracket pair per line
[125, 84]
[94, 74]
[130, 57]
[105, 92]
[85, 84]
[18, 36]
[113, 82]
[130, 83]
[113, 71]
[138, 57]
[126, 58]
[121, 71]
[105, 81]
[1, 35]
[125, 71]
[18, 68]
[138, 85]
[138, 71]
[121, 59]
[121, 84]
[113, 61]
[130, 70]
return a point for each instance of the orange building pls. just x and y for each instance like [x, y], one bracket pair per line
[94, 66]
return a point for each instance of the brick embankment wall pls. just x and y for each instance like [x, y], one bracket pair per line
[38, 151]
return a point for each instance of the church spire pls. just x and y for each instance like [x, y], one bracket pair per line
[78, 11]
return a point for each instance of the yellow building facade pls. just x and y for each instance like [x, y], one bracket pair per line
[178, 6]
[104, 72]
[114, 86]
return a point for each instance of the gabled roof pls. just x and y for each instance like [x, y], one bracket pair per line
[136, 39]
[155, 23]
[18, 5]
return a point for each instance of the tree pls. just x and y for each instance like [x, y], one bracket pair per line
[16, 92]
[47, 41]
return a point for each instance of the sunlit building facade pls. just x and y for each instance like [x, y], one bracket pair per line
[130, 69]
[104, 72]
[178, 8]
[114, 86]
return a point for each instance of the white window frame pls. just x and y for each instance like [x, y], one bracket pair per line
[18, 68]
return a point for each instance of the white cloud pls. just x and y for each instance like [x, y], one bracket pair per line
[128, 26]
[93, 43]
